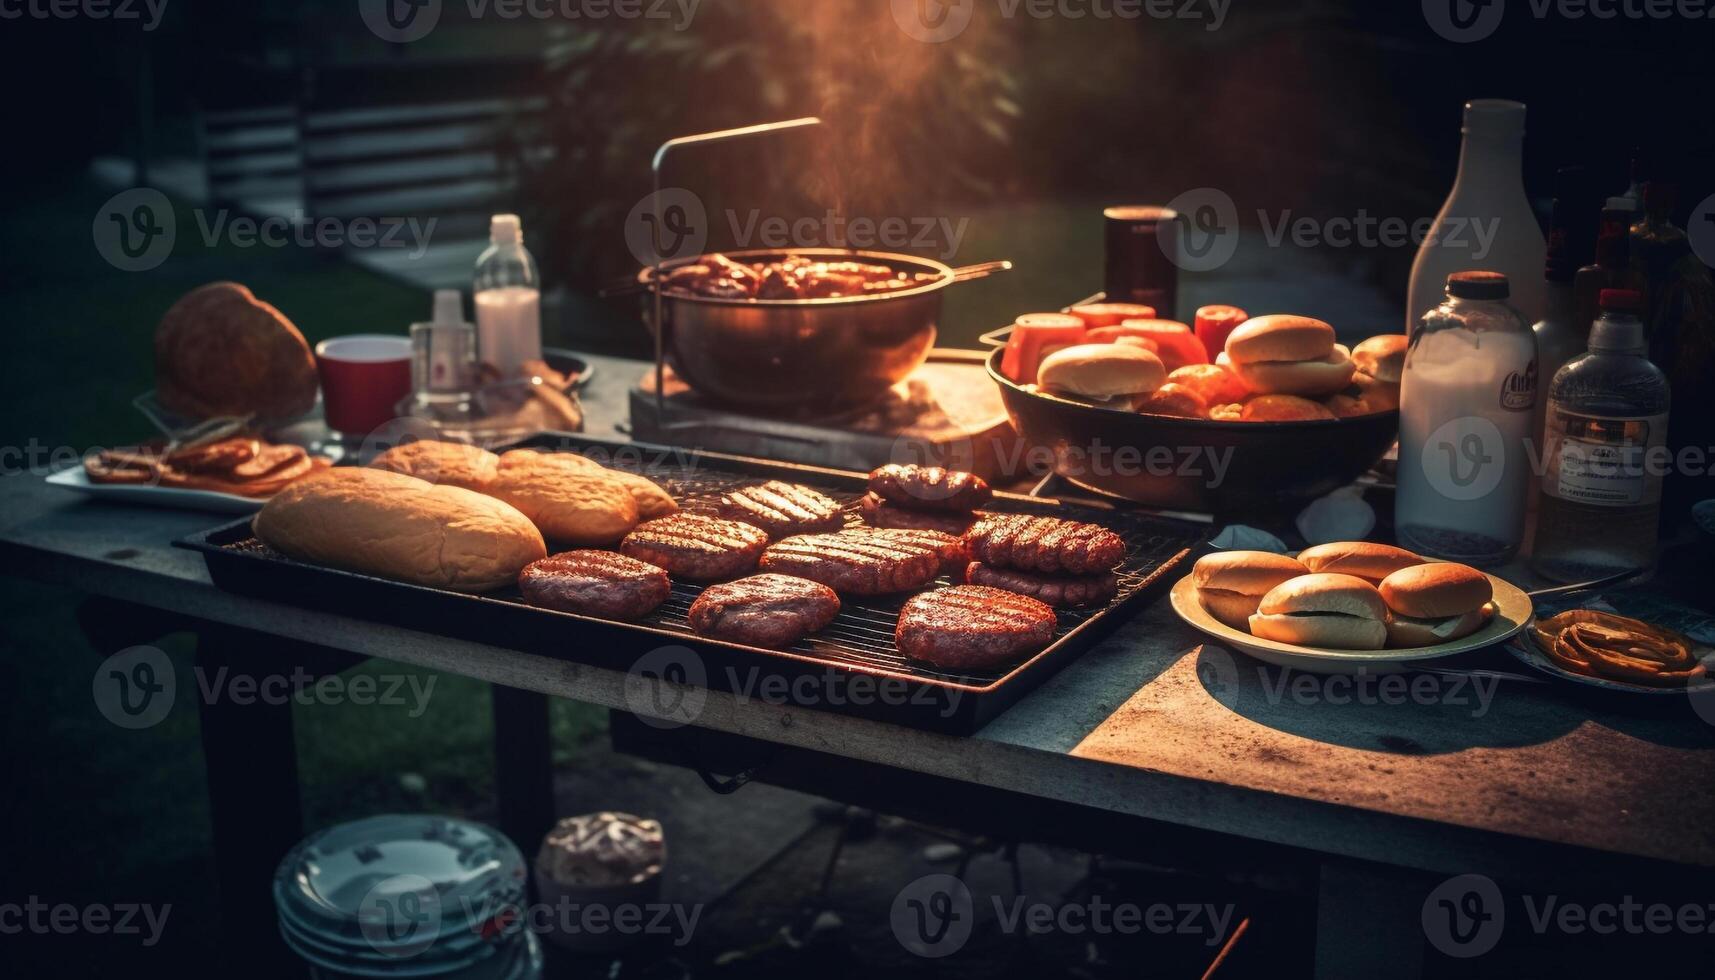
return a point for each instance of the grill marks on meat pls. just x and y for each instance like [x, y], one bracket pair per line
[949, 548]
[1058, 591]
[929, 487]
[595, 583]
[972, 628]
[878, 512]
[782, 509]
[1044, 544]
[859, 561]
[697, 547]
[764, 610]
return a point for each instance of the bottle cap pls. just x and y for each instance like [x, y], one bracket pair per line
[1494, 118]
[449, 306]
[1477, 284]
[1620, 300]
[505, 229]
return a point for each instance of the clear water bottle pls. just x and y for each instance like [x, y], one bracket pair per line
[1606, 438]
[1466, 401]
[508, 300]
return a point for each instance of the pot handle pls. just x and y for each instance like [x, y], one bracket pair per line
[997, 337]
[980, 271]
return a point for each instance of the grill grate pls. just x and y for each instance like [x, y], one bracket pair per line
[861, 637]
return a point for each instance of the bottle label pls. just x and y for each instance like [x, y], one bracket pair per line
[1518, 391]
[1605, 461]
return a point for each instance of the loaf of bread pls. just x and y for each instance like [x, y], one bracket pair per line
[452, 463]
[221, 351]
[399, 527]
[574, 504]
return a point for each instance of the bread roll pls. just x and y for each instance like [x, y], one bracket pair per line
[1408, 631]
[221, 351]
[1283, 408]
[1102, 371]
[1307, 378]
[1436, 590]
[1365, 559]
[1230, 584]
[399, 527]
[1323, 610]
[452, 463]
[652, 500]
[1383, 357]
[1175, 400]
[1280, 337]
[570, 503]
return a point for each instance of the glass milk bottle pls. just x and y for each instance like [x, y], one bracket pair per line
[508, 300]
[1465, 445]
[1606, 442]
[1487, 221]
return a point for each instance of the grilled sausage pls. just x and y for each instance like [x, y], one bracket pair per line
[929, 487]
[697, 547]
[878, 512]
[1044, 544]
[1059, 591]
[972, 628]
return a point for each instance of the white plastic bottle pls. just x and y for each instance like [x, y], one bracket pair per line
[508, 300]
[1487, 221]
[1465, 440]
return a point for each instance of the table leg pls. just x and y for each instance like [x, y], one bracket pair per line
[523, 765]
[254, 805]
[1369, 922]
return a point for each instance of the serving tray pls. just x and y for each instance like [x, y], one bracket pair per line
[816, 672]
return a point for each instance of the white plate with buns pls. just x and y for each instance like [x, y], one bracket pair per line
[1324, 611]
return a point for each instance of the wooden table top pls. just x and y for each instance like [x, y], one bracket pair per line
[1441, 775]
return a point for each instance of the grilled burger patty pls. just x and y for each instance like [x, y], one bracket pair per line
[877, 511]
[764, 610]
[949, 548]
[595, 583]
[1059, 591]
[972, 627]
[929, 487]
[697, 546]
[782, 509]
[1044, 544]
[859, 561]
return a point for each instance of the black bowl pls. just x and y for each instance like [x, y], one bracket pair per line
[1238, 469]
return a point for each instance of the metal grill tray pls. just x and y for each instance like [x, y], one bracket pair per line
[859, 643]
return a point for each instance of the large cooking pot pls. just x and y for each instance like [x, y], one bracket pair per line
[809, 354]
[1236, 469]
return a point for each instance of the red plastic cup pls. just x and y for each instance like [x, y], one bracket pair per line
[364, 378]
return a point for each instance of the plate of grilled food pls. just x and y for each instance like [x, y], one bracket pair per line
[1348, 606]
[228, 470]
[919, 577]
[1605, 650]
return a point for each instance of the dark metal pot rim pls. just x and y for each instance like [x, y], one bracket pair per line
[1006, 383]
